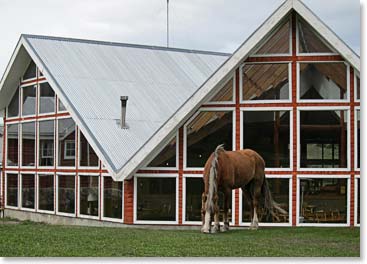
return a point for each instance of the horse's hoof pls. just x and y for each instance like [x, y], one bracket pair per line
[253, 227]
[225, 228]
[205, 231]
[215, 229]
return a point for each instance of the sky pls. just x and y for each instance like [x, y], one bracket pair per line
[215, 25]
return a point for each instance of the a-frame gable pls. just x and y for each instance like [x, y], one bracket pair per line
[214, 83]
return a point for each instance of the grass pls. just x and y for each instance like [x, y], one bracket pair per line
[35, 239]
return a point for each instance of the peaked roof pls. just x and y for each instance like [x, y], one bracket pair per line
[165, 86]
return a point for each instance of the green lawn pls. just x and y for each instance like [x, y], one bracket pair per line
[32, 239]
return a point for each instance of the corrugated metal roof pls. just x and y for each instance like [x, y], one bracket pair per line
[93, 75]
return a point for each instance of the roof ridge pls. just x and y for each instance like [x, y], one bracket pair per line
[121, 44]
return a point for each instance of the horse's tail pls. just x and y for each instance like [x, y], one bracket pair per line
[212, 188]
[270, 205]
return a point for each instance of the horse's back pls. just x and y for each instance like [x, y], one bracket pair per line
[249, 153]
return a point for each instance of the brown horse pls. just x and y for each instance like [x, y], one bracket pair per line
[228, 170]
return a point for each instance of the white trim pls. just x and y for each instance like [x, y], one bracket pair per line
[37, 191]
[271, 109]
[299, 177]
[290, 195]
[289, 100]
[323, 108]
[58, 167]
[356, 168]
[148, 222]
[298, 84]
[85, 174]
[233, 78]
[156, 153]
[21, 191]
[66, 156]
[356, 185]
[206, 109]
[184, 222]
[21, 123]
[57, 193]
[103, 218]
[6, 190]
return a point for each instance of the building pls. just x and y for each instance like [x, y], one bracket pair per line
[291, 92]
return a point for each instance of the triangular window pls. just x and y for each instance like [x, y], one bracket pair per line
[278, 42]
[309, 41]
[167, 157]
[225, 94]
[30, 73]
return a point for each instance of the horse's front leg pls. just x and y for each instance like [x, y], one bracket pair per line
[216, 215]
[226, 209]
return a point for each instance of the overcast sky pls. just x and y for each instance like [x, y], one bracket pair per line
[216, 25]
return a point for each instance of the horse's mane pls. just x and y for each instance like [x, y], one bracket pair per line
[212, 188]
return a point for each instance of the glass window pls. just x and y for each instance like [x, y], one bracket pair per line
[46, 192]
[28, 144]
[323, 200]
[66, 139]
[30, 73]
[66, 194]
[225, 94]
[323, 81]
[268, 133]
[89, 195]
[46, 143]
[358, 139]
[279, 188]
[205, 133]
[156, 199]
[28, 191]
[323, 139]
[12, 189]
[194, 190]
[13, 108]
[88, 158]
[29, 100]
[309, 41]
[61, 106]
[112, 198]
[12, 145]
[167, 156]
[278, 42]
[47, 99]
[358, 200]
[358, 87]
[265, 81]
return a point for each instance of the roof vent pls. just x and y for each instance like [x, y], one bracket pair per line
[123, 112]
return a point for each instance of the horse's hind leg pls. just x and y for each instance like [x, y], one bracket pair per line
[216, 227]
[255, 202]
[226, 209]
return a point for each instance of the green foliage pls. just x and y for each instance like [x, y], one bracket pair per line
[31, 239]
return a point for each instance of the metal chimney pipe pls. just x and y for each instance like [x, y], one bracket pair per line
[123, 111]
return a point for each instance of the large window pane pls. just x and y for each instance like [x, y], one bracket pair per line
[323, 200]
[279, 188]
[47, 99]
[156, 199]
[28, 191]
[89, 195]
[28, 144]
[30, 73]
[66, 139]
[225, 94]
[88, 158]
[167, 157]
[323, 81]
[46, 143]
[266, 81]
[358, 139]
[29, 100]
[268, 132]
[46, 192]
[358, 88]
[358, 200]
[194, 190]
[66, 194]
[12, 189]
[323, 139]
[204, 133]
[12, 145]
[278, 43]
[13, 108]
[309, 41]
[112, 198]
[61, 106]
